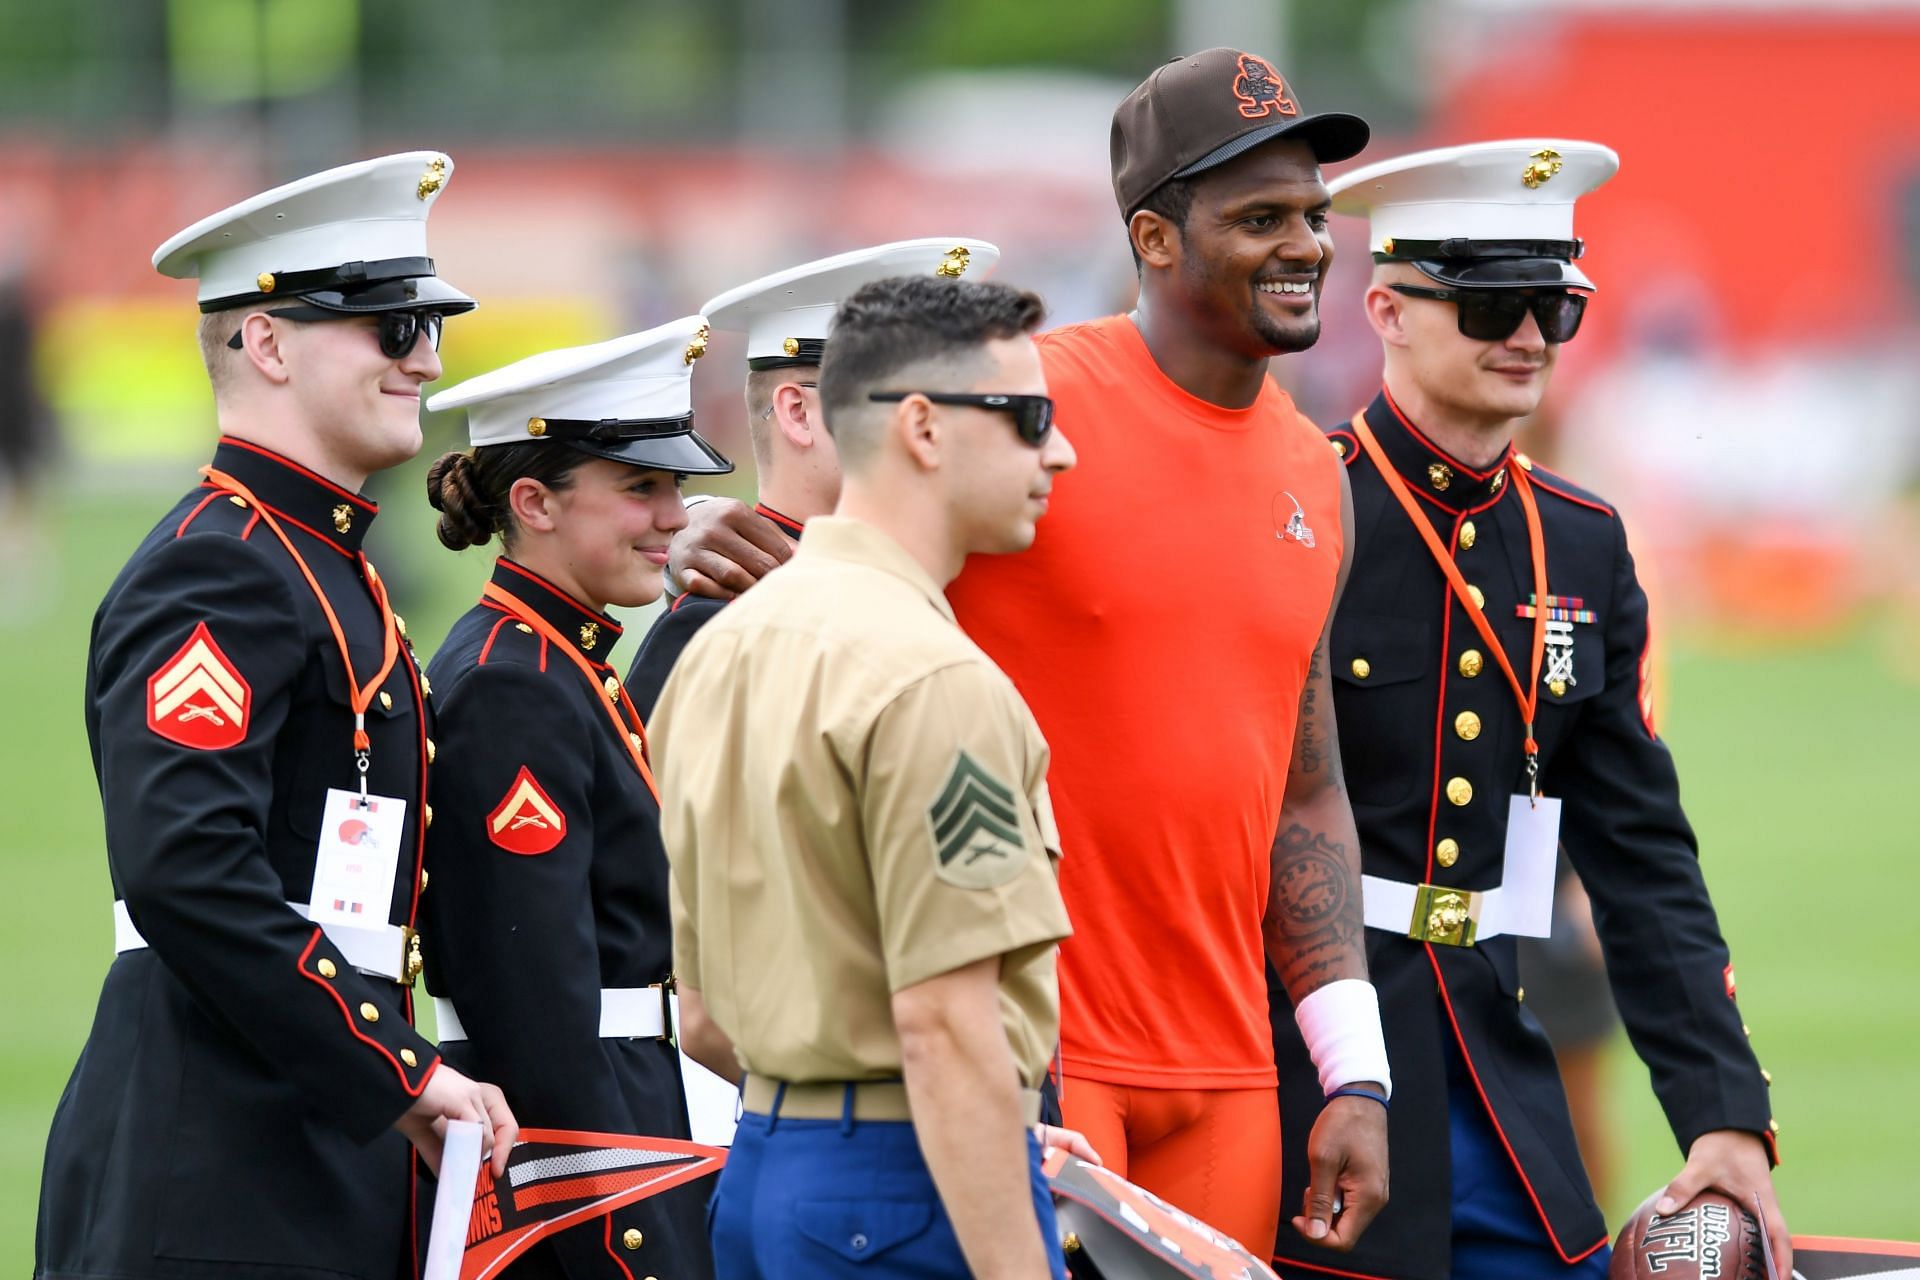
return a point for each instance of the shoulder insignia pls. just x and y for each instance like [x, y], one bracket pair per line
[198, 698]
[975, 825]
[527, 821]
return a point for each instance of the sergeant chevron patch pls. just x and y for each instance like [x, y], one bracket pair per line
[198, 698]
[975, 825]
[526, 821]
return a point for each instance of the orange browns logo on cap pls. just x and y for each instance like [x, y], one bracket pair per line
[1261, 90]
[198, 698]
[527, 821]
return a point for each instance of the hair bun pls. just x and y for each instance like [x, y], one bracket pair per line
[453, 488]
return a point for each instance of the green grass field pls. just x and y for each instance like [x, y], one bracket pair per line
[1799, 764]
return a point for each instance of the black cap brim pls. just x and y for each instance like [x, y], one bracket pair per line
[683, 453]
[415, 293]
[1333, 136]
[1503, 273]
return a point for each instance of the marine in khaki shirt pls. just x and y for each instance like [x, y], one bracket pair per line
[854, 801]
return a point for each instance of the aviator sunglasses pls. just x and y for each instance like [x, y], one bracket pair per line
[1493, 315]
[398, 330]
[1032, 415]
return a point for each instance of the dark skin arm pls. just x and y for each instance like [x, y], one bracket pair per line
[725, 548]
[1315, 935]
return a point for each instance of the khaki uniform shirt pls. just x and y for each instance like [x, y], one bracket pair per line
[854, 801]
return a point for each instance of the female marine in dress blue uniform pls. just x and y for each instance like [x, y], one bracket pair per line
[547, 938]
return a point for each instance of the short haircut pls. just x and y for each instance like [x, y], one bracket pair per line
[923, 325]
[761, 384]
[216, 330]
[1172, 200]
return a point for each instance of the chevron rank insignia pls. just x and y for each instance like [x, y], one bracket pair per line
[526, 821]
[198, 698]
[975, 824]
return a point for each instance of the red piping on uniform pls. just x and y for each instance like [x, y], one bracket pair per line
[487, 648]
[195, 512]
[1353, 446]
[1448, 458]
[1589, 503]
[420, 828]
[309, 529]
[679, 600]
[1646, 684]
[531, 576]
[543, 655]
[247, 532]
[1331, 1271]
[314, 476]
[412, 1091]
[618, 1261]
[1446, 999]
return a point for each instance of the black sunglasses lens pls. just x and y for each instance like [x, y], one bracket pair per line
[1559, 315]
[399, 330]
[1489, 315]
[1034, 420]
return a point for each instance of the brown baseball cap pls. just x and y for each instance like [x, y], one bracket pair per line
[1203, 109]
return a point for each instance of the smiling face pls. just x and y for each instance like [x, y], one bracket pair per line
[603, 537]
[1254, 251]
[1490, 382]
[360, 406]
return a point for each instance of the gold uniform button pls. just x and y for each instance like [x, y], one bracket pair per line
[1746, 1031]
[426, 686]
[400, 625]
[1557, 687]
[427, 810]
[1468, 536]
[1471, 662]
[1466, 726]
[370, 1011]
[1773, 1127]
[1477, 596]
[1362, 668]
[326, 967]
[613, 686]
[1520, 996]
[632, 1238]
[432, 751]
[236, 500]
[1339, 447]
[1447, 852]
[521, 626]
[1459, 791]
[407, 1056]
[1767, 1076]
[634, 738]
[1526, 463]
[386, 700]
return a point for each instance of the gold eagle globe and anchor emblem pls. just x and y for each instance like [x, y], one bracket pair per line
[1543, 164]
[433, 179]
[698, 347]
[954, 265]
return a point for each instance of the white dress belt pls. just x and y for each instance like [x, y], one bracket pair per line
[372, 948]
[626, 1013]
[1391, 904]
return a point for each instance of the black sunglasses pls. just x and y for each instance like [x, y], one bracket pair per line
[1032, 415]
[398, 330]
[1493, 315]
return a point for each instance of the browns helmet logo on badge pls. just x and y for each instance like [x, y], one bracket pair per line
[1261, 90]
[198, 698]
[527, 821]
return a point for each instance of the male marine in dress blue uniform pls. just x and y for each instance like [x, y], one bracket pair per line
[260, 734]
[1475, 287]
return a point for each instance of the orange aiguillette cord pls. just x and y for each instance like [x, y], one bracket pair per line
[1528, 695]
[360, 696]
[632, 732]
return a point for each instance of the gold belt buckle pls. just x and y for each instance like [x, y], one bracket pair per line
[410, 961]
[1443, 915]
[666, 1012]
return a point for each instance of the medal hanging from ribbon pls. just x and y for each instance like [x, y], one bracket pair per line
[612, 695]
[1527, 696]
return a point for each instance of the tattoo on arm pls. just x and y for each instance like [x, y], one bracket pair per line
[1313, 921]
[1315, 742]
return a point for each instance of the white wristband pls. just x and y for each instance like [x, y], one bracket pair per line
[1341, 1024]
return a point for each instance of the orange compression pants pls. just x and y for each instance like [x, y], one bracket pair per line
[1212, 1152]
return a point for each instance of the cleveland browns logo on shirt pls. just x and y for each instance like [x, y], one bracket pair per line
[1261, 90]
[198, 698]
[527, 821]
